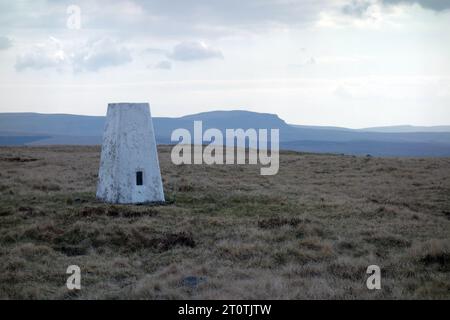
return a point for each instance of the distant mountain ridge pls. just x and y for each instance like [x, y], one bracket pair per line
[53, 124]
[42, 129]
[385, 129]
[408, 128]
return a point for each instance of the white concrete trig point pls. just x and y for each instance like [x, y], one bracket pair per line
[129, 167]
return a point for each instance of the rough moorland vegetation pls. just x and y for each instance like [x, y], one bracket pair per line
[226, 231]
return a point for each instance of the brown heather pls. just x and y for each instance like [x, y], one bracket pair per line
[307, 233]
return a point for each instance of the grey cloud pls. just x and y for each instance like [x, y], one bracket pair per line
[5, 43]
[165, 18]
[237, 11]
[356, 8]
[217, 17]
[164, 65]
[342, 92]
[194, 50]
[436, 5]
[38, 14]
[155, 51]
[308, 62]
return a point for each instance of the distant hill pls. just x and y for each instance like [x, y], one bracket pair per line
[374, 148]
[321, 127]
[408, 128]
[51, 124]
[387, 129]
[42, 129]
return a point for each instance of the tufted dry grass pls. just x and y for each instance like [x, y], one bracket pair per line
[307, 233]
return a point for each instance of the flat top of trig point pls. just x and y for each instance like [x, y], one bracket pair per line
[127, 104]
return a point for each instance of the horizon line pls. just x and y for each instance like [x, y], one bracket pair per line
[241, 110]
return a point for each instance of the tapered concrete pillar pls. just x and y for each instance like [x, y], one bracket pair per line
[129, 167]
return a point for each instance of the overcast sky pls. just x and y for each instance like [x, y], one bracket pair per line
[353, 63]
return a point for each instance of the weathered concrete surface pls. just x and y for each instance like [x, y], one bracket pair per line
[129, 146]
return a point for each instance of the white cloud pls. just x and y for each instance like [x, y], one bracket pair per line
[91, 56]
[49, 54]
[194, 50]
[99, 54]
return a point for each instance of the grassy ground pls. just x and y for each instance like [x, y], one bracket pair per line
[309, 232]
